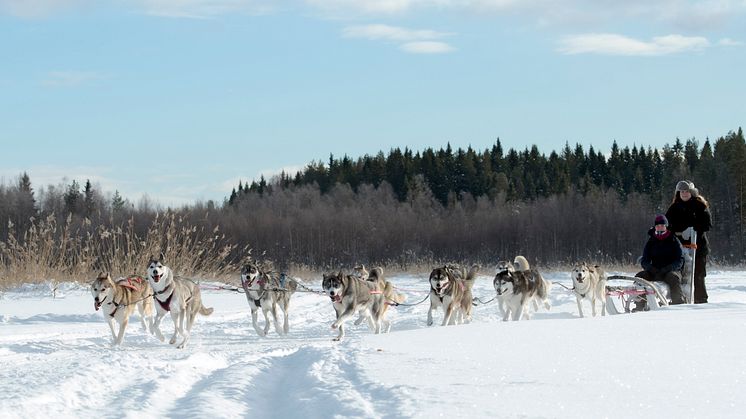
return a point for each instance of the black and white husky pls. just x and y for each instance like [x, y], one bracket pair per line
[516, 285]
[589, 282]
[180, 297]
[267, 291]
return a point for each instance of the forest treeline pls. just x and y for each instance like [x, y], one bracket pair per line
[405, 208]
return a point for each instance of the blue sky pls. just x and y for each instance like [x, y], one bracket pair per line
[179, 99]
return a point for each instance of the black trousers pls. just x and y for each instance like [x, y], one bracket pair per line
[700, 272]
[672, 279]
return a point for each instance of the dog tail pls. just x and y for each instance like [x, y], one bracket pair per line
[395, 296]
[521, 264]
[205, 311]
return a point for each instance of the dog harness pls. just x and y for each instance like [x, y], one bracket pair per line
[166, 305]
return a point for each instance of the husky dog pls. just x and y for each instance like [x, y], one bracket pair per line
[267, 290]
[450, 289]
[119, 300]
[180, 297]
[360, 272]
[390, 296]
[589, 282]
[350, 295]
[517, 285]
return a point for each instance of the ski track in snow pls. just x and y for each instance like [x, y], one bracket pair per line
[61, 363]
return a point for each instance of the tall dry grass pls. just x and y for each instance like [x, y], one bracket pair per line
[77, 252]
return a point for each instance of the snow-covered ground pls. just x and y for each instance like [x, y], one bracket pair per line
[686, 361]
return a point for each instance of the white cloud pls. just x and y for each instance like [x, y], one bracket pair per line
[201, 9]
[419, 41]
[70, 78]
[370, 6]
[727, 42]
[38, 8]
[614, 44]
[391, 33]
[426, 47]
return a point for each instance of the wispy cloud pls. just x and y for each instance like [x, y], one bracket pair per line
[727, 42]
[370, 6]
[38, 8]
[70, 78]
[204, 9]
[614, 44]
[418, 41]
[391, 33]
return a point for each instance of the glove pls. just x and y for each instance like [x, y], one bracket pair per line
[653, 270]
[664, 270]
[687, 234]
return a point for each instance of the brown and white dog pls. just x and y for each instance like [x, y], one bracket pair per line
[390, 296]
[589, 282]
[119, 300]
[450, 289]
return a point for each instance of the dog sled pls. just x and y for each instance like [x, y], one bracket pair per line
[626, 294]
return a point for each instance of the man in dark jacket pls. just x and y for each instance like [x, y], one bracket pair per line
[662, 258]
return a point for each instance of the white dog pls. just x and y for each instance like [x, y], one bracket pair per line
[589, 282]
[179, 297]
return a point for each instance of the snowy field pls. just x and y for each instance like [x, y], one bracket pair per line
[56, 360]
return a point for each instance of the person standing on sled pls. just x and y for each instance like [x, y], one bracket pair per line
[662, 258]
[690, 209]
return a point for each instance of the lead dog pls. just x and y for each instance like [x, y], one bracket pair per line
[267, 291]
[589, 282]
[517, 285]
[450, 289]
[119, 300]
[180, 297]
[351, 295]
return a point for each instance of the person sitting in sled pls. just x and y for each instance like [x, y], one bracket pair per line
[662, 258]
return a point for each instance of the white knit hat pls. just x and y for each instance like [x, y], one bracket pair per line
[686, 185]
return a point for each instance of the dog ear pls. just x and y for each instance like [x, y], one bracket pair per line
[161, 258]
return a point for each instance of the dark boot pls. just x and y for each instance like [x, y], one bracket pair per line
[673, 279]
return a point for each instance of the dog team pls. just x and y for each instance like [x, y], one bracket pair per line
[519, 289]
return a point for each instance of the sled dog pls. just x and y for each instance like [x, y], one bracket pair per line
[390, 297]
[180, 297]
[119, 300]
[589, 282]
[360, 272]
[266, 291]
[516, 285]
[450, 289]
[350, 295]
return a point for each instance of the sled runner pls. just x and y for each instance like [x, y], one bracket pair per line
[628, 293]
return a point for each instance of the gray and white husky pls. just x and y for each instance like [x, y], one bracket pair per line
[450, 289]
[351, 295]
[516, 285]
[118, 299]
[180, 297]
[589, 282]
[267, 291]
